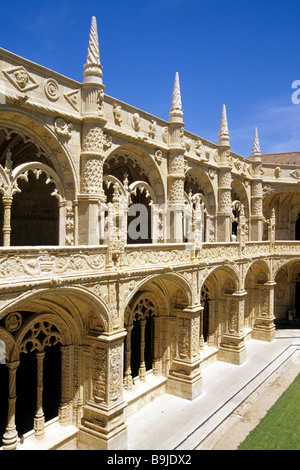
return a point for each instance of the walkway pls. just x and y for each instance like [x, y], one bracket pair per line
[172, 423]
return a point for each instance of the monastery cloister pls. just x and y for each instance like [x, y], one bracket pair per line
[131, 248]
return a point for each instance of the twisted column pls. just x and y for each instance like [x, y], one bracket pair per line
[39, 419]
[10, 437]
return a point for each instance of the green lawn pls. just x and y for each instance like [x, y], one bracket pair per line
[280, 428]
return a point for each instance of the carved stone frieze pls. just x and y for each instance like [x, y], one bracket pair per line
[47, 263]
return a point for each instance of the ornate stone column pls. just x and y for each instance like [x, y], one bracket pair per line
[256, 219]
[65, 408]
[156, 364]
[39, 419]
[128, 381]
[264, 327]
[7, 203]
[184, 379]
[224, 183]
[233, 348]
[176, 175]
[201, 339]
[94, 142]
[103, 423]
[142, 368]
[10, 437]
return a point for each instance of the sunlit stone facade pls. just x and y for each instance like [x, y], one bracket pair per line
[133, 252]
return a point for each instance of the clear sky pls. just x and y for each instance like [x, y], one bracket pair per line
[242, 53]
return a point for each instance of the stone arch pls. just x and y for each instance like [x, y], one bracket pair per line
[198, 187]
[32, 129]
[152, 304]
[176, 279]
[239, 193]
[67, 302]
[287, 207]
[287, 292]
[62, 318]
[198, 181]
[221, 284]
[142, 182]
[37, 168]
[27, 147]
[141, 161]
[240, 208]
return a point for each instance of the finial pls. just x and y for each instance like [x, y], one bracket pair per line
[256, 153]
[93, 68]
[224, 133]
[176, 112]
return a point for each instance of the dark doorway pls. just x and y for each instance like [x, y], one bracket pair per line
[27, 383]
[26, 392]
[205, 319]
[135, 348]
[149, 330]
[297, 228]
[297, 298]
[52, 382]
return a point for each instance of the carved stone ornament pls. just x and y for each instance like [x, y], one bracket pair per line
[73, 99]
[13, 321]
[136, 124]
[198, 147]
[117, 113]
[152, 128]
[158, 156]
[296, 174]
[21, 79]
[277, 172]
[52, 89]
[62, 128]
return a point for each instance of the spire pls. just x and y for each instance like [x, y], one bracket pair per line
[256, 153]
[224, 133]
[176, 112]
[93, 68]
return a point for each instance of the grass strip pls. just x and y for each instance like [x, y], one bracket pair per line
[279, 429]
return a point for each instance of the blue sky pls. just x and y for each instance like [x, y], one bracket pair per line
[242, 53]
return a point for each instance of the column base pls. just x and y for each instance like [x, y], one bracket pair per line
[88, 439]
[102, 429]
[233, 349]
[264, 329]
[10, 440]
[185, 379]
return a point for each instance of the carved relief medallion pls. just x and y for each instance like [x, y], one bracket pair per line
[52, 89]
